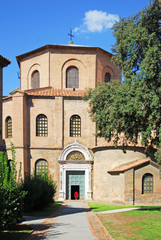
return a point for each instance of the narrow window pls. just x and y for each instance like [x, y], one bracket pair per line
[41, 166]
[35, 79]
[75, 126]
[8, 127]
[107, 77]
[41, 125]
[72, 77]
[147, 183]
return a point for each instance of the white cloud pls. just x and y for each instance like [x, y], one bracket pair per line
[97, 21]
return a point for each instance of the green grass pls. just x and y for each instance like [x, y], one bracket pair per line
[99, 207]
[148, 222]
[18, 233]
[133, 225]
[45, 211]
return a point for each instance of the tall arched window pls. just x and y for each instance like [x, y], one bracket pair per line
[41, 125]
[35, 79]
[107, 77]
[8, 127]
[41, 166]
[147, 183]
[72, 77]
[75, 126]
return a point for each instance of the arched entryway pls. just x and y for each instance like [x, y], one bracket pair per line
[75, 172]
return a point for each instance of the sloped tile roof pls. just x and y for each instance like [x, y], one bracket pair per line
[49, 91]
[16, 90]
[132, 164]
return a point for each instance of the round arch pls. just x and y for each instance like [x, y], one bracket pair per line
[33, 68]
[108, 70]
[72, 148]
[72, 63]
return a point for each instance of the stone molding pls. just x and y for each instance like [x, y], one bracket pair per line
[75, 147]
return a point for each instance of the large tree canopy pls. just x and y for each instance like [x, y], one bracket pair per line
[138, 46]
[134, 106]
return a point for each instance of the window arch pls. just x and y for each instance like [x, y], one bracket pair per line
[41, 125]
[107, 77]
[41, 166]
[8, 127]
[35, 79]
[75, 126]
[72, 77]
[147, 183]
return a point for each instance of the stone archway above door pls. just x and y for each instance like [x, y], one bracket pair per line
[80, 152]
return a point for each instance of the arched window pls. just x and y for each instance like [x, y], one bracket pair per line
[72, 77]
[107, 77]
[41, 125]
[35, 79]
[41, 166]
[75, 126]
[8, 127]
[147, 183]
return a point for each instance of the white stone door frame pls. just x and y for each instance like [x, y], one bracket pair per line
[68, 166]
[74, 167]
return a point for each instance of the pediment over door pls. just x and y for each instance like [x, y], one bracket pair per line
[76, 152]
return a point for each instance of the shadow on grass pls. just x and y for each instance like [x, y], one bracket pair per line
[18, 233]
[149, 209]
[45, 212]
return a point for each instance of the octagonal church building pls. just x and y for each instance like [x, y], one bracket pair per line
[49, 124]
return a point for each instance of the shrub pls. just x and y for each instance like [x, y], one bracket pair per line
[11, 195]
[40, 191]
[11, 207]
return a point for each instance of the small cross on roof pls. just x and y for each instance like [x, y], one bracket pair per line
[71, 36]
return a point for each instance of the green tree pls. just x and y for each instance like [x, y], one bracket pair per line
[134, 106]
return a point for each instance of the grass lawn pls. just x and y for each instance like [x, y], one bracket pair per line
[47, 211]
[133, 225]
[98, 207]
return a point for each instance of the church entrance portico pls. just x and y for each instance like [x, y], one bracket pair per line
[75, 172]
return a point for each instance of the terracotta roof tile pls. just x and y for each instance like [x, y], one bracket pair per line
[49, 91]
[130, 165]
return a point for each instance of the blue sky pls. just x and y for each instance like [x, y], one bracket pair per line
[29, 24]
